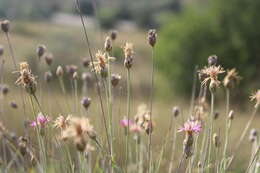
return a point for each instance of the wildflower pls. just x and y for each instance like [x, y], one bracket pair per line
[152, 36]
[108, 44]
[113, 35]
[26, 78]
[62, 122]
[1, 50]
[128, 51]
[13, 105]
[256, 97]
[86, 101]
[47, 76]
[48, 58]
[211, 74]
[71, 69]
[115, 78]
[143, 119]
[59, 71]
[212, 60]
[135, 128]
[125, 122]
[41, 121]
[40, 50]
[86, 62]
[5, 26]
[175, 111]
[231, 79]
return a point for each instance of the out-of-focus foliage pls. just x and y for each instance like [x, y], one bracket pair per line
[229, 29]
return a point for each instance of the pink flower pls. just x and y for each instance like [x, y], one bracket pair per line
[190, 127]
[41, 120]
[124, 122]
[135, 128]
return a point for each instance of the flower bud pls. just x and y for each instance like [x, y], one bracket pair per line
[152, 36]
[216, 140]
[86, 62]
[4, 89]
[212, 60]
[216, 115]
[49, 59]
[213, 86]
[47, 76]
[86, 77]
[113, 35]
[115, 78]
[75, 75]
[175, 111]
[108, 44]
[231, 115]
[1, 50]
[199, 164]
[86, 101]
[40, 50]
[13, 105]
[59, 71]
[71, 69]
[5, 26]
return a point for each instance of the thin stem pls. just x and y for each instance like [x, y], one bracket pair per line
[173, 148]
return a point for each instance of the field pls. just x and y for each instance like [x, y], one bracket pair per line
[132, 151]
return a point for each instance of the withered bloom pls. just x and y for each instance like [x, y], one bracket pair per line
[62, 122]
[26, 78]
[143, 119]
[231, 79]
[256, 97]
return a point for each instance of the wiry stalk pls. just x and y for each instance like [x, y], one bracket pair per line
[173, 147]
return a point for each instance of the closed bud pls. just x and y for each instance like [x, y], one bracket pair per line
[113, 35]
[216, 115]
[75, 75]
[213, 86]
[5, 26]
[59, 71]
[115, 78]
[49, 59]
[13, 105]
[86, 101]
[212, 60]
[175, 111]
[71, 69]
[86, 62]
[86, 77]
[40, 50]
[152, 36]
[199, 164]
[47, 76]
[1, 50]
[108, 44]
[231, 115]
[4, 89]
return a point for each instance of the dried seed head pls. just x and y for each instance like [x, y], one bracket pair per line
[59, 71]
[86, 101]
[216, 140]
[13, 104]
[175, 111]
[212, 60]
[86, 62]
[4, 89]
[115, 78]
[108, 44]
[75, 75]
[47, 76]
[152, 36]
[40, 50]
[49, 59]
[216, 115]
[231, 115]
[113, 35]
[1, 50]
[231, 79]
[5, 26]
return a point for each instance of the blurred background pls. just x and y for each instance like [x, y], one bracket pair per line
[188, 32]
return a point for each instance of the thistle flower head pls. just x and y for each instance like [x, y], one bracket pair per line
[231, 79]
[40, 50]
[100, 65]
[41, 121]
[191, 127]
[62, 122]
[256, 97]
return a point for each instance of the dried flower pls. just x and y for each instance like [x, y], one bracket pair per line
[1, 50]
[152, 36]
[86, 62]
[62, 122]
[115, 78]
[256, 97]
[212, 60]
[128, 51]
[175, 111]
[86, 101]
[125, 122]
[26, 78]
[5, 26]
[40, 50]
[48, 58]
[113, 35]
[231, 79]
[143, 119]
[47, 76]
[211, 74]
[13, 105]
[59, 71]
[41, 121]
[191, 127]
[108, 44]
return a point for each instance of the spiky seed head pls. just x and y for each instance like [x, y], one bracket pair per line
[47, 76]
[1, 50]
[231, 115]
[212, 60]
[175, 111]
[108, 44]
[5, 26]
[49, 59]
[115, 78]
[113, 35]
[86, 101]
[13, 104]
[86, 62]
[59, 71]
[40, 50]
[152, 36]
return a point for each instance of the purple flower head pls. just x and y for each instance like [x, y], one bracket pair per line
[41, 120]
[124, 122]
[191, 127]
